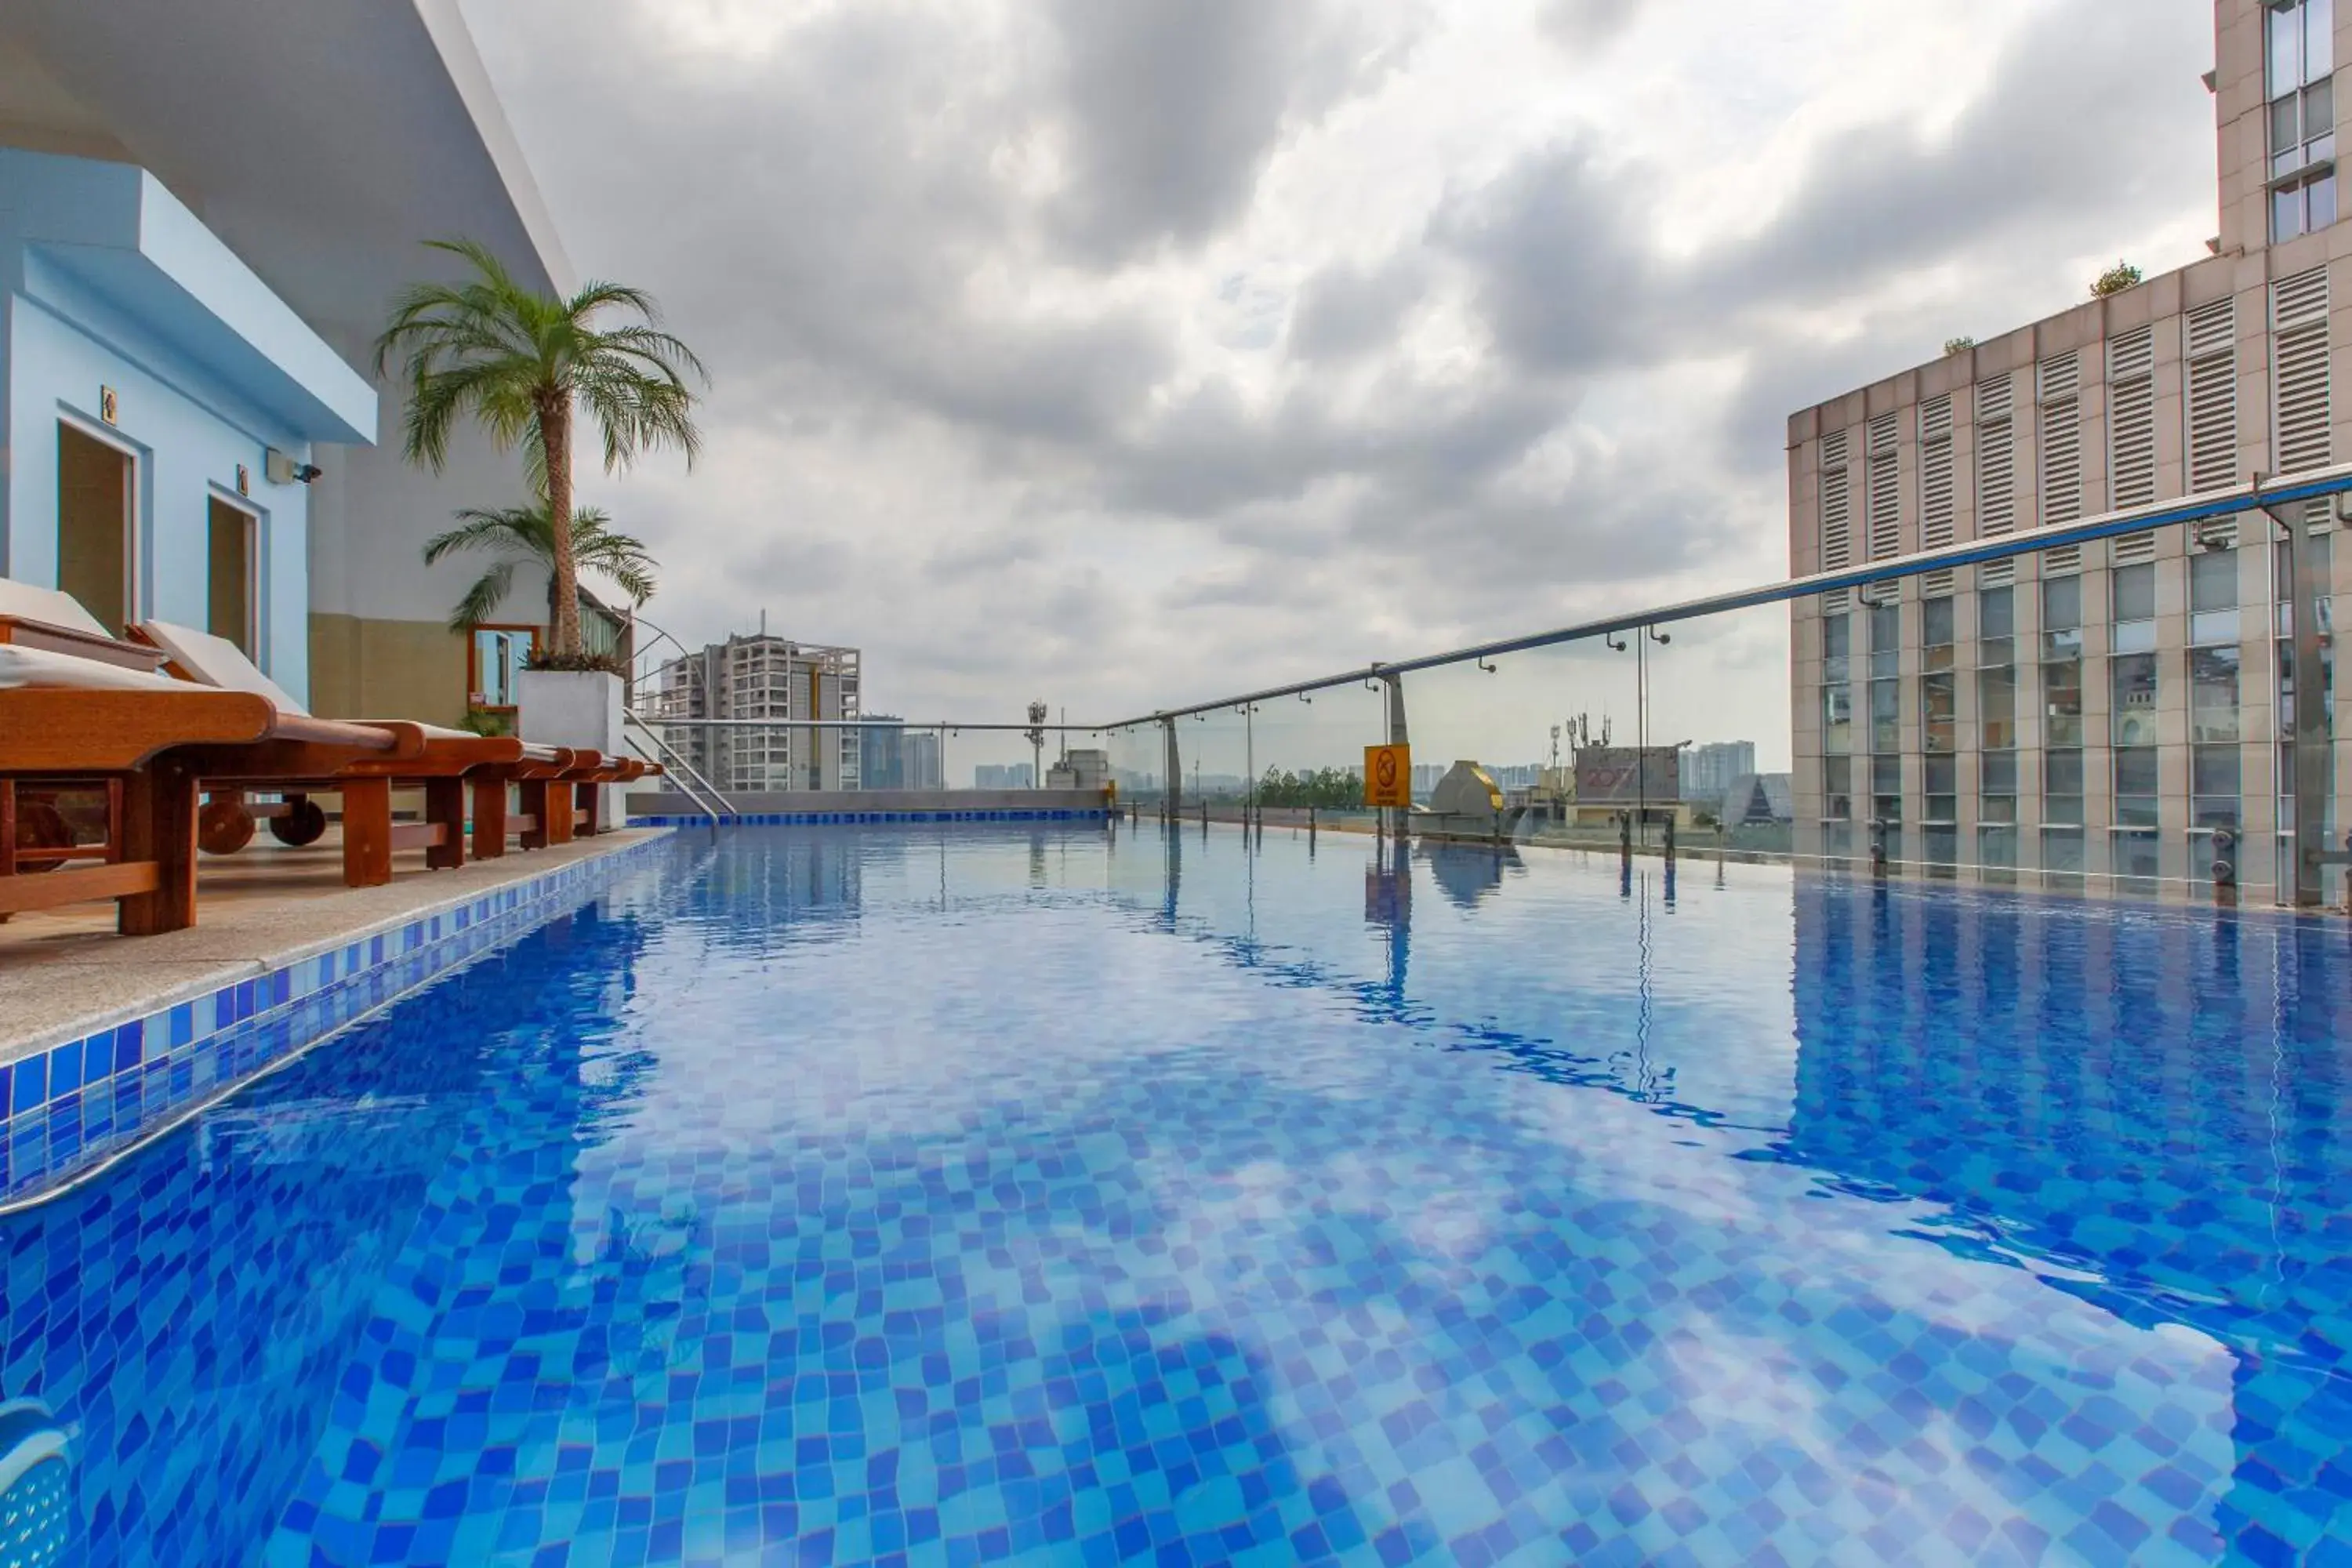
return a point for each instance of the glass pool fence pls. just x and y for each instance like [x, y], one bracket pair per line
[2140, 704]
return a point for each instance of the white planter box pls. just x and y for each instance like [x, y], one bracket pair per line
[575, 708]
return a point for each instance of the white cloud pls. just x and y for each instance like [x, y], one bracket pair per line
[1123, 356]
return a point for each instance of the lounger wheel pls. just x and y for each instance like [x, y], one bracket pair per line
[303, 821]
[223, 828]
[40, 825]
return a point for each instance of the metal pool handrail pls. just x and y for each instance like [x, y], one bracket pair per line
[689, 780]
[2254, 497]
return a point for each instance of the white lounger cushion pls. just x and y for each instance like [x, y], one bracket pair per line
[49, 606]
[22, 666]
[216, 661]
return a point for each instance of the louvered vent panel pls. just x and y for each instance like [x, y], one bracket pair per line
[2062, 562]
[2061, 376]
[2131, 440]
[2213, 414]
[1886, 508]
[1835, 602]
[1995, 398]
[2212, 328]
[2061, 460]
[2301, 298]
[1833, 450]
[2303, 400]
[1936, 474]
[2131, 354]
[1837, 520]
[2133, 549]
[1996, 477]
[1936, 584]
[1881, 433]
[1996, 573]
[2222, 535]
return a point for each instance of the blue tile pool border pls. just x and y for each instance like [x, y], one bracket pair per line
[73, 1106]
[854, 818]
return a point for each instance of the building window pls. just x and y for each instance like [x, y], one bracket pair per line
[1997, 669]
[1942, 788]
[2138, 855]
[2135, 789]
[497, 656]
[2213, 597]
[1886, 789]
[1997, 785]
[2302, 58]
[2213, 695]
[1837, 690]
[2213, 785]
[2131, 690]
[2061, 661]
[1837, 788]
[1885, 717]
[1886, 640]
[2133, 590]
[2062, 786]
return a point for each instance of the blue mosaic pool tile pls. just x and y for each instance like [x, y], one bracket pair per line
[800, 1209]
[151, 1070]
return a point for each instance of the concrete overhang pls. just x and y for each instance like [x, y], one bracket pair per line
[322, 139]
[102, 241]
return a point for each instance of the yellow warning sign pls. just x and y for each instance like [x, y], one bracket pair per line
[1388, 776]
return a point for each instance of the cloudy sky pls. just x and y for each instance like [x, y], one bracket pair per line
[1127, 352]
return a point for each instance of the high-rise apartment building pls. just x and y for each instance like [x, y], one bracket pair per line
[892, 756]
[2102, 710]
[762, 677]
[1708, 772]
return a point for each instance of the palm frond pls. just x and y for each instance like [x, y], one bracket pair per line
[481, 601]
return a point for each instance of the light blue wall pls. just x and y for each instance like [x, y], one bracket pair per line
[185, 452]
[106, 280]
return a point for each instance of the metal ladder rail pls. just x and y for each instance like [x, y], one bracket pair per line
[690, 782]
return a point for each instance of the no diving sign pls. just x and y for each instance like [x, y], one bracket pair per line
[1388, 776]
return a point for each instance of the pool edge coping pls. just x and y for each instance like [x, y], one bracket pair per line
[259, 1014]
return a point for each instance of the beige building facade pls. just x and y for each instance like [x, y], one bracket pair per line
[2104, 710]
[755, 678]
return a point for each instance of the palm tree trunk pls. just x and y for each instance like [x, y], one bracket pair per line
[555, 433]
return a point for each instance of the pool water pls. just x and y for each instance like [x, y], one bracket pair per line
[839, 1195]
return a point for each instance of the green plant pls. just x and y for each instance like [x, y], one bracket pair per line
[489, 722]
[2123, 274]
[519, 362]
[577, 663]
[1958, 345]
[1331, 789]
[519, 533]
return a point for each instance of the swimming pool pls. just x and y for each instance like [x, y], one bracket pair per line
[974, 1194]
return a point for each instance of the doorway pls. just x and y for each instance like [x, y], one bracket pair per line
[232, 560]
[94, 552]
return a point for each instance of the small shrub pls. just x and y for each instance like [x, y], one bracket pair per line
[489, 722]
[2123, 274]
[1958, 345]
[576, 663]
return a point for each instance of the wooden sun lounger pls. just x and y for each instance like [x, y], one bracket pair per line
[442, 762]
[147, 748]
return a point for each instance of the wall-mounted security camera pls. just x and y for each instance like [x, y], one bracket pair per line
[284, 470]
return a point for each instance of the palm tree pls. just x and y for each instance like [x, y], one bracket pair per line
[519, 533]
[518, 362]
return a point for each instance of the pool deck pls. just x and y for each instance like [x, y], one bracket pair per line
[66, 973]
